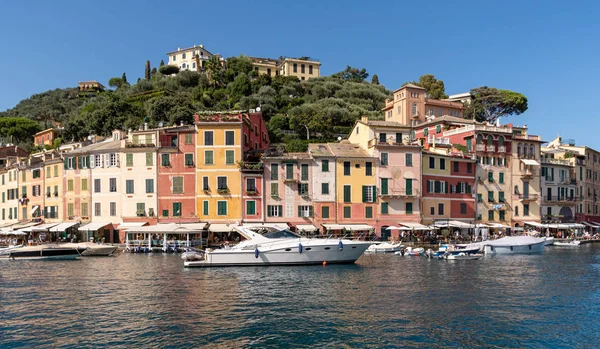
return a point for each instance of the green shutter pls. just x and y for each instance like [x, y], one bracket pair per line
[384, 208]
[325, 212]
[364, 193]
[408, 186]
[229, 157]
[80, 162]
[368, 212]
[205, 208]
[384, 186]
[347, 193]
[66, 164]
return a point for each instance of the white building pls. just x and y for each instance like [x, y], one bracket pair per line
[558, 190]
[186, 59]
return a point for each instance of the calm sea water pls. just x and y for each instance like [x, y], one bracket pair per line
[537, 301]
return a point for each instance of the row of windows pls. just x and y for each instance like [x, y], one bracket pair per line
[177, 186]
[307, 210]
[302, 68]
[12, 213]
[12, 175]
[440, 209]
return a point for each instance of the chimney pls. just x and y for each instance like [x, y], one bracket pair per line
[145, 126]
[178, 49]
[201, 46]
[181, 123]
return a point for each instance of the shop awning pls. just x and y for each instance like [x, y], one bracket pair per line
[40, 228]
[63, 226]
[13, 232]
[413, 226]
[281, 225]
[220, 228]
[351, 227]
[24, 225]
[591, 225]
[536, 224]
[94, 226]
[497, 225]
[126, 225]
[306, 227]
[530, 162]
[454, 224]
[168, 228]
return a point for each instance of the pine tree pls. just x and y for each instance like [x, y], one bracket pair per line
[148, 73]
[161, 63]
[375, 79]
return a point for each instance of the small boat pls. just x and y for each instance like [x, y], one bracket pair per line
[271, 245]
[514, 245]
[549, 241]
[456, 249]
[41, 252]
[463, 256]
[572, 243]
[409, 251]
[384, 247]
[90, 249]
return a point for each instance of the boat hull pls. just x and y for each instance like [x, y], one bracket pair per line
[91, 249]
[311, 254]
[518, 249]
[43, 253]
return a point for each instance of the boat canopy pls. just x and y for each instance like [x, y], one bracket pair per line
[514, 241]
[281, 225]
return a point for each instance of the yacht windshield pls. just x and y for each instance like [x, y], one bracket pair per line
[281, 234]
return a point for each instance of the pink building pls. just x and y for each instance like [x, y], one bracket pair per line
[288, 195]
[252, 192]
[177, 174]
[399, 182]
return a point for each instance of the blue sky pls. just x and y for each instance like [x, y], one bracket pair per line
[546, 50]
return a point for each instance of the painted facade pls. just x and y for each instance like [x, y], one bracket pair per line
[54, 211]
[558, 188]
[324, 194]
[525, 165]
[77, 186]
[185, 59]
[288, 180]
[448, 187]
[9, 206]
[176, 182]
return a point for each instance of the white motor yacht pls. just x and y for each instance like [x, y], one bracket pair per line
[41, 252]
[514, 245]
[270, 245]
[572, 243]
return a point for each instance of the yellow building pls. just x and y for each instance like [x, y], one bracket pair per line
[219, 147]
[304, 68]
[355, 184]
[54, 191]
[191, 58]
[266, 66]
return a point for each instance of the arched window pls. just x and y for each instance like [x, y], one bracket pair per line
[490, 140]
[501, 141]
[414, 109]
[516, 189]
[532, 151]
[519, 150]
[479, 139]
[525, 150]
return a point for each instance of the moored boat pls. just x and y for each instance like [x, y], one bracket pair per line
[90, 249]
[463, 256]
[384, 247]
[271, 245]
[410, 251]
[41, 252]
[572, 243]
[514, 245]
[549, 241]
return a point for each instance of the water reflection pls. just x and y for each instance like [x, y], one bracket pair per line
[383, 300]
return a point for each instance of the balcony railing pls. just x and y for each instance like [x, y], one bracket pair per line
[479, 147]
[559, 199]
[527, 173]
[393, 192]
[289, 179]
[527, 197]
[491, 148]
[501, 149]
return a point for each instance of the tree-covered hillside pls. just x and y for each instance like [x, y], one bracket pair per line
[320, 108]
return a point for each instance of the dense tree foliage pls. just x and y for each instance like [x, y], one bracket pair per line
[320, 108]
[489, 104]
[435, 88]
[18, 130]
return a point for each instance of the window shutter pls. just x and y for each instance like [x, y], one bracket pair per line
[310, 211]
[299, 211]
[364, 193]
[106, 160]
[374, 188]
[452, 189]
[92, 161]
[66, 164]
[445, 187]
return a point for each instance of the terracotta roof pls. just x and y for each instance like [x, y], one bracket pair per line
[319, 149]
[382, 123]
[100, 147]
[448, 118]
[440, 102]
[290, 156]
[345, 149]
[410, 86]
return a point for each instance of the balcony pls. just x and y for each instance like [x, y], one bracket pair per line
[527, 197]
[251, 191]
[479, 147]
[255, 167]
[291, 179]
[559, 200]
[377, 142]
[527, 173]
[399, 193]
[501, 149]
[490, 148]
